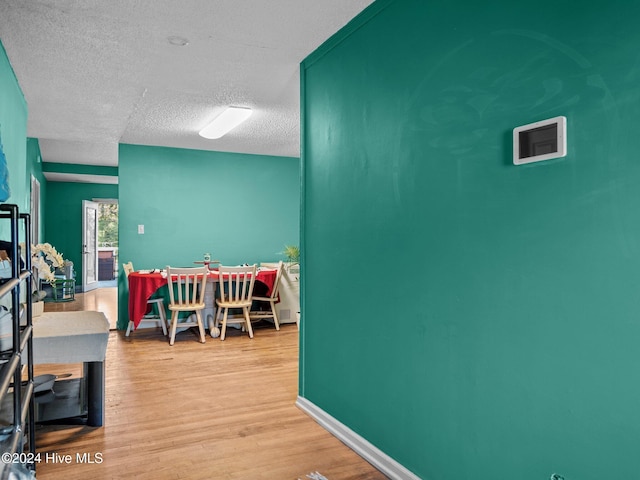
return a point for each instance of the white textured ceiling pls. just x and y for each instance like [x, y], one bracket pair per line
[96, 73]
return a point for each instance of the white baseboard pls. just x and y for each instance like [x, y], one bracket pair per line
[355, 442]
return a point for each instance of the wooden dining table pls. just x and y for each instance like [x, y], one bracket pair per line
[143, 284]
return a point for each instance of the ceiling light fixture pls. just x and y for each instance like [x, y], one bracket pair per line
[225, 122]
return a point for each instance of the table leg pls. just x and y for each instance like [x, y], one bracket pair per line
[95, 393]
[209, 312]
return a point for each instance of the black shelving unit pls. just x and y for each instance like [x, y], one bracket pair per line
[17, 403]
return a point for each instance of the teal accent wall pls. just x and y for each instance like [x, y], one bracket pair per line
[34, 167]
[13, 136]
[240, 208]
[488, 314]
[63, 217]
[80, 169]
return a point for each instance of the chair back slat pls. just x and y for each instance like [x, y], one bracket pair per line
[180, 281]
[186, 285]
[197, 292]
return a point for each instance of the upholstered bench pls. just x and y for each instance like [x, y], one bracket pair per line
[73, 337]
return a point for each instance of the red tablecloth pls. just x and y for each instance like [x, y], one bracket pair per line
[143, 285]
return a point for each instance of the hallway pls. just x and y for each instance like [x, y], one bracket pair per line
[101, 299]
[223, 410]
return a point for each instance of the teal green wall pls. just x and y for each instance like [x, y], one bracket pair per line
[489, 314]
[240, 208]
[13, 135]
[63, 217]
[34, 167]
[75, 168]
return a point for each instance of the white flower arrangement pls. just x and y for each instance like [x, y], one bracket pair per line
[44, 260]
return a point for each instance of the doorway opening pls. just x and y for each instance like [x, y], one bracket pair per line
[107, 243]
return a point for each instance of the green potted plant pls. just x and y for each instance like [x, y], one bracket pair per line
[292, 254]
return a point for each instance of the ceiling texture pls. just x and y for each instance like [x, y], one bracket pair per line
[97, 73]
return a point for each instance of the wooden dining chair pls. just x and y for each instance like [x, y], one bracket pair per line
[272, 299]
[186, 294]
[159, 317]
[235, 290]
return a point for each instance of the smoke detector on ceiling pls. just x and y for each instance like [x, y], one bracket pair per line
[178, 41]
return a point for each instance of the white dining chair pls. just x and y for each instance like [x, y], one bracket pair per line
[271, 300]
[158, 318]
[235, 290]
[186, 294]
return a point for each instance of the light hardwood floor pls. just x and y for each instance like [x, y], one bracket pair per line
[219, 410]
[102, 299]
